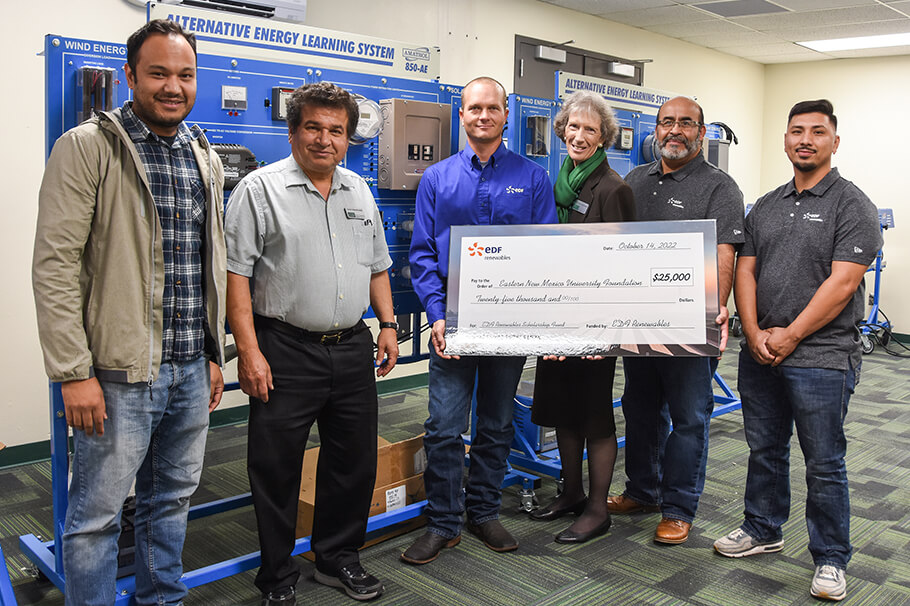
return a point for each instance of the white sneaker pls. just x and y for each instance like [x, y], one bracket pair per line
[829, 583]
[739, 544]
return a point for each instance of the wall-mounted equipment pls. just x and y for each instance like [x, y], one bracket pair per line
[280, 97]
[415, 134]
[626, 138]
[96, 90]
[538, 135]
[529, 131]
[238, 162]
[233, 97]
[369, 124]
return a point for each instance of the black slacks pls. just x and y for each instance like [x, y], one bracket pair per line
[334, 386]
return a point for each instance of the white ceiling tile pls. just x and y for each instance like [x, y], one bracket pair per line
[596, 7]
[746, 36]
[795, 58]
[699, 28]
[732, 39]
[808, 5]
[656, 16]
[844, 31]
[903, 6]
[836, 16]
[780, 48]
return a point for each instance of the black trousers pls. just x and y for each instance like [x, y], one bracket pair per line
[333, 385]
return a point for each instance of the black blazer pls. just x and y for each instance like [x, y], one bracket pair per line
[608, 197]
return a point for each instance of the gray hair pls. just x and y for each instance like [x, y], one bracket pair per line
[586, 101]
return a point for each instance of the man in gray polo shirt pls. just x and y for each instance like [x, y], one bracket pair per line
[800, 296]
[666, 471]
[306, 256]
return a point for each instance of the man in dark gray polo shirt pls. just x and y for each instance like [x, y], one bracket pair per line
[306, 256]
[800, 296]
[666, 471]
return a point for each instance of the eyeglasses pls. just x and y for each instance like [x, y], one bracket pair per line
[684, 123]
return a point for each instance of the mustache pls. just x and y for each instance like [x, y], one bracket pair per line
[677, 138]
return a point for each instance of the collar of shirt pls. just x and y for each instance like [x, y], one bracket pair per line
[818, 189]
[471, 161]
[295, 177]
[139, 131]
[680, 173]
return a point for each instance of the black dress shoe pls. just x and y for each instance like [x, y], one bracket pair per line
[567, 536]
[355, 581]
[279, 597]
[548, 513]
[427, 548]
[494, 535]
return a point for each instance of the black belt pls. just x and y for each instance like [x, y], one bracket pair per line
[333, 337]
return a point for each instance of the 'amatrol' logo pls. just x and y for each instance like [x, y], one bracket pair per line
[476, 250]
[416, 54]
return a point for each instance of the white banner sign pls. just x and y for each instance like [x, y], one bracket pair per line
[220, 33]
[625, 96]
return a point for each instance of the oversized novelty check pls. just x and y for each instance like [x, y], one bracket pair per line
[638, 288]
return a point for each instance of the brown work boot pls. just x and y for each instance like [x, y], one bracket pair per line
[672, 532]
[623, 504]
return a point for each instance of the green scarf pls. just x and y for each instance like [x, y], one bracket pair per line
[570, 180]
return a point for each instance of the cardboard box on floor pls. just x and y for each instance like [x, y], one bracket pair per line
[399, 482]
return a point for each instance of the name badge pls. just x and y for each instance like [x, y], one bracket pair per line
[354, 213]
[580, 207]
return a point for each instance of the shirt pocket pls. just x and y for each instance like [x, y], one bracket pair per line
[363, 242]
[513, 207]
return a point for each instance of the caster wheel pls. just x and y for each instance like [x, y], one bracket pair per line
[867, 343]
[527, 500]
[736, 327]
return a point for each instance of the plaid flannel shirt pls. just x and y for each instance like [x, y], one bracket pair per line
[179, 195]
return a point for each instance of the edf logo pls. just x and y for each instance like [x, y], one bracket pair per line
[478, 250]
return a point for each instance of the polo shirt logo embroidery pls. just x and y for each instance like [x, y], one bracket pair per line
[857, 249]
[813, 217]
[736, 232]
[675, 203]
[514, 190]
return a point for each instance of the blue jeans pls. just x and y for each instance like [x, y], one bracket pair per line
[667, 468]
[815, 399]
[157, 436]
[451, 386]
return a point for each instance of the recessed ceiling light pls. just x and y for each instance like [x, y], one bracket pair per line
[839, 44]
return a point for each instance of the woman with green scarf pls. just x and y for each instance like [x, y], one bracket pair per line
[575, 395]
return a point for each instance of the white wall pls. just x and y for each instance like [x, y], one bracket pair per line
[477, 38]
[870, 98]
[23, 392]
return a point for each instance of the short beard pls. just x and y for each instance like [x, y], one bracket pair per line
[691, 147]
[805, 168]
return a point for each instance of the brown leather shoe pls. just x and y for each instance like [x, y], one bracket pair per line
[623, 504]
[672, 531]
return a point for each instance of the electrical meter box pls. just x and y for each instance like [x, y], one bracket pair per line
[415, 134]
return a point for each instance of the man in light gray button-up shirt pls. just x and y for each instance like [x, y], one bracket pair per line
[306, 256]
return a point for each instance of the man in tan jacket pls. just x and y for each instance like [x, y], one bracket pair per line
[129, 281]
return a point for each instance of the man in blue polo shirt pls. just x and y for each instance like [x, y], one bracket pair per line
[484, 184]
[799, 293]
